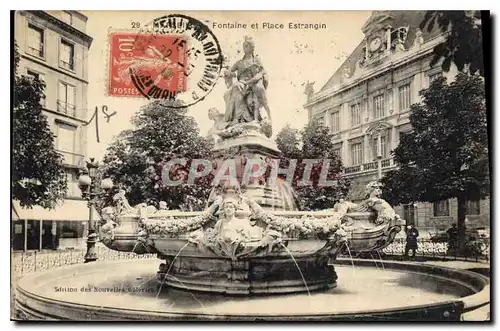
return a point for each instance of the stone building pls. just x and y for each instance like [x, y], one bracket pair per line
[53, 47]
[366, 105]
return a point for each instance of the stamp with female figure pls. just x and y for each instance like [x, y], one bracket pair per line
[175, 57]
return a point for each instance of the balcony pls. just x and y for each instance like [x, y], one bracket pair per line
[72, 160]
[369, 167]
[73, 190]
[66, 108]
[67, 65]
[38, 52]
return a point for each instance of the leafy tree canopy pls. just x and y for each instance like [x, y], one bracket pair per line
[464, 43]
[446, 154]
[314, 141]
[38, 177]
[135, 160]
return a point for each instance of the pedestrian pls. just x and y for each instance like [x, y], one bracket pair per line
[411, 240]
[452, 238]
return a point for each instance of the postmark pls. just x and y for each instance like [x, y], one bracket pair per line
[175, 57]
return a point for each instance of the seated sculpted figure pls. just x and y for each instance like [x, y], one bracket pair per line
[121, 203]
[385, 213]
[219, 123]
[373, 202]
[247, 96]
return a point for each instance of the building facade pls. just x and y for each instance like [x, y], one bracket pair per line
[366, 105]
[53, 47]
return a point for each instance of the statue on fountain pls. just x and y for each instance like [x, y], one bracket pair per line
[219, 124]
[373, 202]
[247, 108]
[385, 213]
[235, 234]
[250, 87]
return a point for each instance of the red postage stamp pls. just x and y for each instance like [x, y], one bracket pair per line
[147, 65]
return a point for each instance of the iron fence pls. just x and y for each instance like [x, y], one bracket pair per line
[474, 249]
[24, 263]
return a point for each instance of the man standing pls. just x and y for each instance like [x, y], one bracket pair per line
[411, 240]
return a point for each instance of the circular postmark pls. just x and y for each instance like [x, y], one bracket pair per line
[180, 59]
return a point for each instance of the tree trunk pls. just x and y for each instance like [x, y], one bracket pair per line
[462, 209]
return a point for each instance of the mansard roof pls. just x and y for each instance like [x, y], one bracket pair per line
[397, 19]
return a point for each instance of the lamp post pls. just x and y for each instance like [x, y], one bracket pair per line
[379, 155]
[92, 186]
[415, 214]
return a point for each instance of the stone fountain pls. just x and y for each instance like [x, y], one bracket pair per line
[251, 239]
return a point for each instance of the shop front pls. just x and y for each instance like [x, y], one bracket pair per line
[64, 227]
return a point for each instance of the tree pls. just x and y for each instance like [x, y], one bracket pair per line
[314, 141]
[38, 176]
[464, 43]
[135, 160]
[446, 154]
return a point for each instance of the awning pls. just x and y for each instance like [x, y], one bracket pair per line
[68, 210]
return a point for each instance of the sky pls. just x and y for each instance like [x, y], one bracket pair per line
[290, 57]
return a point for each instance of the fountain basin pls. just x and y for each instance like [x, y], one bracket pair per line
[297, 263]
[128, 290]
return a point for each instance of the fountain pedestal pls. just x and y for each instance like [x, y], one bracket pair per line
[267, 275]
[244, 151]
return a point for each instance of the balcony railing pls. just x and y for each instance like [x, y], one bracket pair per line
[36, 51]
[72, 159]
[67, 65]
[66, 108]
[370, 166]
[353, 169]
[387, 163]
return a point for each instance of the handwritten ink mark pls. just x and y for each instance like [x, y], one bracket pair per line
[105, 112]
[96, 115]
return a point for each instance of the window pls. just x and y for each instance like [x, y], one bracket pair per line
[66, 17]
[338, 152]
[335, 118]
[37, 76]
[356, 154]
[355, 114]
[378, 106]
[66, 55]
[473, 207]
[442, 208]
[66, 99]
[35, 40]
[433, 77]
[66, 136]
[68, 229]
[73, 190]
[404, 97]
[399, 34]
[384, 147]
[34, 75]
[320, 120]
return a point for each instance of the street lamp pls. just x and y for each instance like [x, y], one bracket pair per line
[415, 214]
[92, 186]
[379, 156]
